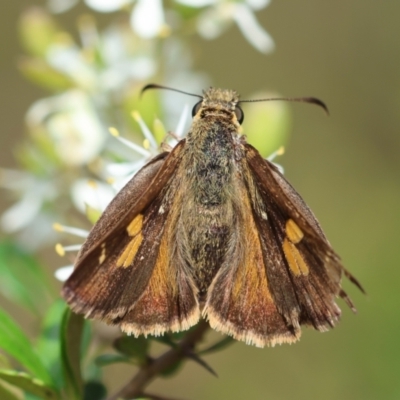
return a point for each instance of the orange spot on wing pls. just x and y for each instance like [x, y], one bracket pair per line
[127, 256]
[135, 226]
[134, 230]
[293, 232]
[295, 260]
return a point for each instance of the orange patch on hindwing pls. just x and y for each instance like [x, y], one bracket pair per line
[251, 277]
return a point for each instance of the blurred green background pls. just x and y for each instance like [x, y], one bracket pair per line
[347, 167]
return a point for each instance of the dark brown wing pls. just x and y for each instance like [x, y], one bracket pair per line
[309, 272]
[125, 258]
[281, 272]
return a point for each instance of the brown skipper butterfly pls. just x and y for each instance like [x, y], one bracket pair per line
[210, 230]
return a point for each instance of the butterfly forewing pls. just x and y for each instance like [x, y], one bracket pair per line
[114, 273]
[308, 265]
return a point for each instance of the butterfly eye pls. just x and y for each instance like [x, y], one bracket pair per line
[239, 114]
[196, 108]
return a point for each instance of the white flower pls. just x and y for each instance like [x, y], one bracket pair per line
[59, 6]
[106, 5]
[147, 18]
[73, 125]
[217, 17]
[67, 58]
[92, 193]
[251, 29]
[27, 217]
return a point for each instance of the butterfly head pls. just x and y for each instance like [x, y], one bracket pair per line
[220, 103]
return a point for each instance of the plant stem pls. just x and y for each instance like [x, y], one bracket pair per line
[147, 373]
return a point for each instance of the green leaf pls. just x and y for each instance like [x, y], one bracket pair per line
[42, 74]
[222, 344]
[164, 339]
[6, 394]
[28, 383]
[14, 342]
[107, 359]
[267, 125]
[71, 338]
[94, 391]
[135, 348]
[159, 131]
[22, 278]
[48, 344]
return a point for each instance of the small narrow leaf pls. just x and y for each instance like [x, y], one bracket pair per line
[14, 342]
[135, 348]
[22, 278]
[107, 359]
[165, 339]
[48, 344]
[29, 384]
[94, 391]
[71, 337]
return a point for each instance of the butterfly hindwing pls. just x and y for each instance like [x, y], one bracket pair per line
[240, 302]
[114, 273]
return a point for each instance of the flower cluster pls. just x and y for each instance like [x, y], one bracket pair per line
[150, 18]
[70, 162]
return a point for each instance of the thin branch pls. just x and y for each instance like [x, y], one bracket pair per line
[147, 373]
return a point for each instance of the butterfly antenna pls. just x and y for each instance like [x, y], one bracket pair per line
[155, 86]
[310, 100]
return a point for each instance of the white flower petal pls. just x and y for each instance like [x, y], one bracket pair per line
[196, 3]
[96, 194]
[258, 4]
[183, 120]
[212, 22]
[68, 59]
[71, 230]
[21, 214]
[119, 183]
[38, 233]
[252, 30]
[63, 273]
[116, 170]
[147, 18]
[60, 6]
[140, 150]
[106, 5]
[145, 130]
